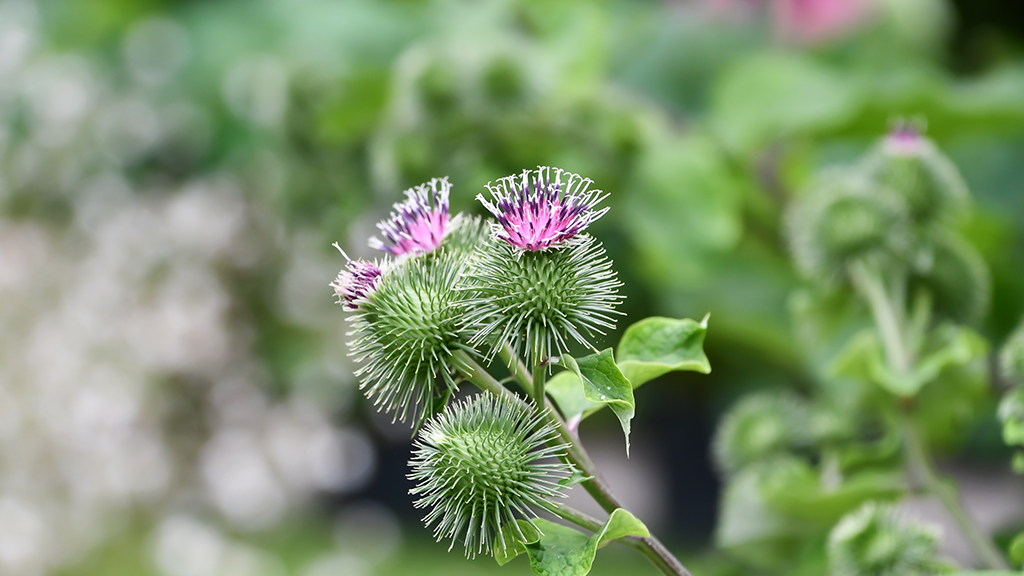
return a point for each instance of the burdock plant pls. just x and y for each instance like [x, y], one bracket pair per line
[535, 289]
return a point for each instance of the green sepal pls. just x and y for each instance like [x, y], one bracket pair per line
[656, 346]
[603, 384]
[576, 478]
[864, 358]
[556, 550]
[507, 546]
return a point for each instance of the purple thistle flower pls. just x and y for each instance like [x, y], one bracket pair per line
[418, 224]
[537, 213]
[355, 284]
[904, 139]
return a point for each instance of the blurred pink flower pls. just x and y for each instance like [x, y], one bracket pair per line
[803, 21]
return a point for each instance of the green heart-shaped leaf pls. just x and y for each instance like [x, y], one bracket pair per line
[648, 349]
[656, 345]
[556, 550]
[604, 384]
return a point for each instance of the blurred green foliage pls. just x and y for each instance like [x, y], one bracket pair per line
[702, 127]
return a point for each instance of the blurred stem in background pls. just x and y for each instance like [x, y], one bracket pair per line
[893, 328]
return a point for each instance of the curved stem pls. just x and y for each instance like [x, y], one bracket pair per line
[870, 286]
[922, 467]
[515, 366]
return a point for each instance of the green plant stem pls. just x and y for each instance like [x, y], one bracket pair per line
[887, 308]
[538, 384]
[870, 286]
[516, 367]
[478, 376]
[650, 547]
[922, 467]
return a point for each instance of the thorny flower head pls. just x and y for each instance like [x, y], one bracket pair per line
[406, 336]
[354, 285]
[420, 223]
[481, 464]
[542, 208]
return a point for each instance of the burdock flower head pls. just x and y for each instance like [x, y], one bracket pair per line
[540, 281]
[354, 285]
[407, 333]
[909, 164]
[482, 463]
[420, 223]
[542, 208]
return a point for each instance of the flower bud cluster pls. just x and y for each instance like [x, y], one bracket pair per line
[455, 289]
[893, 210]
[873, 540]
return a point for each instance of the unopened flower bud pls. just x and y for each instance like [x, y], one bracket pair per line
[758, 427]
[912, 166]
[407, 333]
[480, 465]
[954, 275]
[845, 219]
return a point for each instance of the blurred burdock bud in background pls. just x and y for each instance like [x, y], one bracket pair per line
[481, 464]
[954, 275]
[830, 425]
[540, 282]
[845, 219]
[758, 427]
[911, 165]
[874, 541]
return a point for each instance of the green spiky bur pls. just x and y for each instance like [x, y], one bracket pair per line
[538, 302]
[467, 234]
[845, 219]
[483, 463]
[874, 541]
[954, 275]
[759, 426]
[406, 332]
[927, 181]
